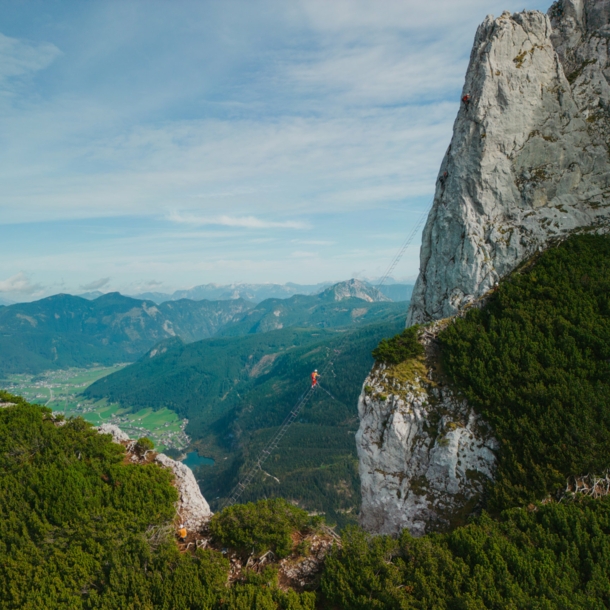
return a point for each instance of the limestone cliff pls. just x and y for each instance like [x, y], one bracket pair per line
[424, 454]
[528, 162]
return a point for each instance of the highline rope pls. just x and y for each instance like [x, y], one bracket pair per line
[239, 489]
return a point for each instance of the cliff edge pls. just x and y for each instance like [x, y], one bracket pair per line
[192, 507]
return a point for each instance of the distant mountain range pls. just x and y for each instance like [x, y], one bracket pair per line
[64, 330]
[260, 292]
[250, 292]
[345, 304]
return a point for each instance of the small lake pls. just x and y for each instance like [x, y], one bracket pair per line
[193, 459]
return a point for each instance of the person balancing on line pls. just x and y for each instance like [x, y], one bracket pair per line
[314, 378]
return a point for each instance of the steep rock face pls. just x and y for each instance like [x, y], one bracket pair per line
[528, 162]
[192, 507]
[424, 455]
[581, 35]
[527, 165]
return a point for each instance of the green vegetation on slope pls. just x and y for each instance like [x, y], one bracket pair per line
[79, 528]
[399, 348]
[557, 556]
[535, 361]
[266, 525]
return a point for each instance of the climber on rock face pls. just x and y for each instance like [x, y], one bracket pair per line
[466, 100]
[182, 532]
[314, 378]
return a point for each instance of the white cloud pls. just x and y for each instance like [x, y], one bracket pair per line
[21, 57]
[313, 242]
[246, 222]
[19, 284]
[97, 284]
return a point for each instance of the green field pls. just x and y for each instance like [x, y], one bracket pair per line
[61, 391]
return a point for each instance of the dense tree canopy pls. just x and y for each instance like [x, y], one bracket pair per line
[77, 525]
[555, 556]
[535, 361]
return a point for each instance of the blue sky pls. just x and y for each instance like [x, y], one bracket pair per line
[161, 145]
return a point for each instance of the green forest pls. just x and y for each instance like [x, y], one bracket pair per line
[535, 362]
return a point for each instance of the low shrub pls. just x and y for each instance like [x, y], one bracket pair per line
[399, 348]
[261, 526]
[143, 445]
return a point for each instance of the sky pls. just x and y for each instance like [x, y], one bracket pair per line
[160, 145]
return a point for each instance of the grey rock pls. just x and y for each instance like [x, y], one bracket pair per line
[424, 455]
[192, 507]
[581, 29]
[118, 436]
[528, 162]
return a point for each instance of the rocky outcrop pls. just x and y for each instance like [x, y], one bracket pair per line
[528, 165]
[192, 507]
[118, 436]
[424, 455]
[528, 162]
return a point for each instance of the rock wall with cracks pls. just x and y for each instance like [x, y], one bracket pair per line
[528, 162]
[424, 454]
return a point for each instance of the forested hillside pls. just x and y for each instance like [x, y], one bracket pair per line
[535, 361]
[65, 331]
[79, 528]
[236, 391]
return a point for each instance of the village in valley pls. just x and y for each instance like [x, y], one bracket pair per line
[61, 391]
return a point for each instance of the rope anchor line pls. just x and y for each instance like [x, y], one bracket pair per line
[293, 414]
